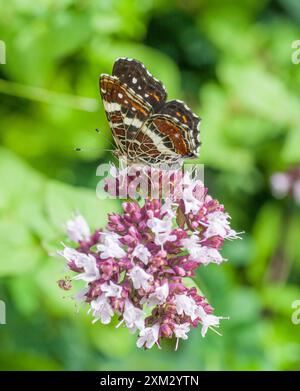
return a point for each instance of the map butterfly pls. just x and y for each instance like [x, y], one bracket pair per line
[146, 128]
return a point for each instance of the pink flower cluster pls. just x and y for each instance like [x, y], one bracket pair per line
[139, 266]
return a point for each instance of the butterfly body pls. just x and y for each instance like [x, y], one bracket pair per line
[145, 127]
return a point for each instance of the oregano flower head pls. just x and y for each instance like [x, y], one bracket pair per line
[139, 266]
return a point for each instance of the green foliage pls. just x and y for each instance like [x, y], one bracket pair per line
[231, 62]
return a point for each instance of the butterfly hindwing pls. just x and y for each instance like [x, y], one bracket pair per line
[163, 139]
[179, 110]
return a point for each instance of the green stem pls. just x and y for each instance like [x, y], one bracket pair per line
[48, 96]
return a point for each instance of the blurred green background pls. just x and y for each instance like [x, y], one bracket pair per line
[231, 62]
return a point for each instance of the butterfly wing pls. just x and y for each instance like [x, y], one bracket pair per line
[125, 111]
[163, 139]
[168, 136]
[190, 122]
[145, 126]
[134, 74]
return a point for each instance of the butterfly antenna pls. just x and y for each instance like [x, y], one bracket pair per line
[106, 138]
[92, 149]
[78, 149]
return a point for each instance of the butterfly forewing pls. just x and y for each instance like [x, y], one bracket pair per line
[125, 111]
[134, 74]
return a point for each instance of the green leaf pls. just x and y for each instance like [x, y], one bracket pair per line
[238, 252]
[23, 194]
[26, 304]
[27, 361]
[218, 151]
[244, 306]
[19, 250]
[292, 248]
[262, 93]
[19, 179]
[280, 304]
[290, 151]
[266, 234]
[63, 200]
[112, 342]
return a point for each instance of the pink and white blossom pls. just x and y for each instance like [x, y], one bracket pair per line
[110, 248]
[135, 269]
[218, 225]
[168, 208]
[209, 321]
[78, 229]
[185, 305]
[142, 253]
[192, 204]
[162, 230]
[139, 277]
[148, 337]
[91, 271]
[111, 289]
[181, 330]
[102, 309]
[158, 297]
[201, 253]
[134, 317]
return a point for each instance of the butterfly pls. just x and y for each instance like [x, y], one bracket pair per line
[145, 126]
